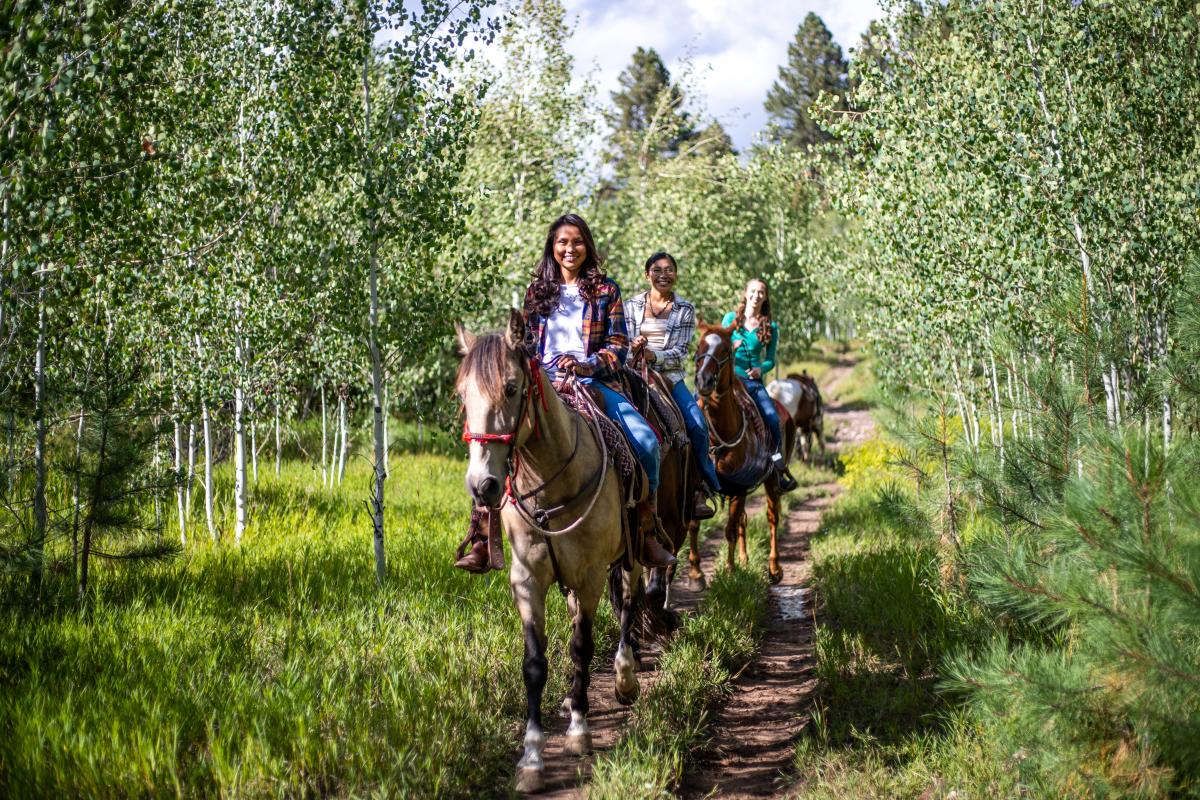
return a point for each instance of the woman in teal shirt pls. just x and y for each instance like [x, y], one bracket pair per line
[755, 337]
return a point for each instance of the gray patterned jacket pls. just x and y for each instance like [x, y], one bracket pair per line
[681, 324]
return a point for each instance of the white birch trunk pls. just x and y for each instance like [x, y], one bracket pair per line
[278, 440]
[1012, 399]
[960, 398]
[76, 497]
[254, 448]
[208, 466]
[386, 439]
[1116, 390]
[341, 448]
[239, 449]
[996, 403]
[40, 515]
[377, 386]
[324, 441]
[191, 470]
[1110, 413]
[180, 499]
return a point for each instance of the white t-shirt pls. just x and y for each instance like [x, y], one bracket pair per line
[564, 328]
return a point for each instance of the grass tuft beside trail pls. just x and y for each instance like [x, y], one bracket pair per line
[880, 726]
[279, 669]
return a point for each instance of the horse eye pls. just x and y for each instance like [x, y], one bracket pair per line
[510, 388]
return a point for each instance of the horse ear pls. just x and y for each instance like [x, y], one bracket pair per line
[514, 336]
[466, 339]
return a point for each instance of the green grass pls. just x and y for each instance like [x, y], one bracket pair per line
[672, 721]
[279, 669]
[880, 726]
[672, 717]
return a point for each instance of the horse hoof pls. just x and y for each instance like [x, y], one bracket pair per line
[579, 744]
[530, 780]
[699, 584]
[628, 699]
[776, 576]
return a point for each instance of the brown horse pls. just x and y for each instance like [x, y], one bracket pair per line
[741, 444]
[678, 481]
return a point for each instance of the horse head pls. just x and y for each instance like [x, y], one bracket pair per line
[714, 358]
[494, 382]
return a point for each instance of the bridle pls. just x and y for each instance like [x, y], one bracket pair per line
[531, 393]
[533, 377]
[720, 444]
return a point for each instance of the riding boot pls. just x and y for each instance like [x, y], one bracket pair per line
[653, 552]
[700, 507]
[786, 482]
[479, 558]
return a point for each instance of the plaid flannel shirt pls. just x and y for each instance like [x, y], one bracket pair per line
[681, 325]
[604, 336]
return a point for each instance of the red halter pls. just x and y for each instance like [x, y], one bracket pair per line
[535, 373]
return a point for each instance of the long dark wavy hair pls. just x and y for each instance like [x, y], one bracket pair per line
[546, 286]
[764, 313]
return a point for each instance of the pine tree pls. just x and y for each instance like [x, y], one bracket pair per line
[713, 142]
[648, 121]
[815, 65]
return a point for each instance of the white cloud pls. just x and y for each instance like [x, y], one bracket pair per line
[736, 48]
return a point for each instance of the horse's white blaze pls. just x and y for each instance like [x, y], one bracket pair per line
[486, 458]
[712, 340]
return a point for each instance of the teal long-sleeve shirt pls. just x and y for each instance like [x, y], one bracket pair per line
[751, 353]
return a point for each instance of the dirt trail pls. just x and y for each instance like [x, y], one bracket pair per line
[754, 734]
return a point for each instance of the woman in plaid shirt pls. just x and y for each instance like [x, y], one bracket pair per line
[661, 324]
[577, 324]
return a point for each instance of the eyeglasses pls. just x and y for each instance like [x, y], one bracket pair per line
[662, 271]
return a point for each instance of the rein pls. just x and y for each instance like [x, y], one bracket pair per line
[531, 394]
[701, 358]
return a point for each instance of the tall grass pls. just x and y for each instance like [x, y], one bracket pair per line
[279, 669]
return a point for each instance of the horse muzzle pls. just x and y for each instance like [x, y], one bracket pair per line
[487, 491]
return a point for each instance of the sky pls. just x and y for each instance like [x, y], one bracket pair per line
[736, 46]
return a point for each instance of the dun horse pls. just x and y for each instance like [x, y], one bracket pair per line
[741, 446]
[562, 509]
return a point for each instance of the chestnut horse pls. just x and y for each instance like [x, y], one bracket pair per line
[741, 447]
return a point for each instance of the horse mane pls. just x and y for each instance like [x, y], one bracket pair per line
[486, 363]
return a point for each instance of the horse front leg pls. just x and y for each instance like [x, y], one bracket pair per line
[736, 521]
[696, 579]
[624, 596]
[579, 737]
[743, 555]
[773, 500]
[530, 600]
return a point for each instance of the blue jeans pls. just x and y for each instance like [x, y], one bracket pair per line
[767, 406]
[697, 430]
[637, 430]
